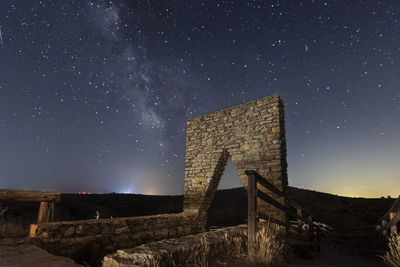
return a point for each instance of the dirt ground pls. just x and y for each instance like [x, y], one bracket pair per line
[14, 253]
[328, 257]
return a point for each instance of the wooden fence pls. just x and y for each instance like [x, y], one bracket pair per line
[389, 223]
[46, 199]
[304, 224]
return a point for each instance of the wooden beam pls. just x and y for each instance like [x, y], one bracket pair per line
[394, 220]
[3, 211]
[264, 182]
[251, 213]
[44, 212]
[299, 221]
[271, 219]
[294, 205]
[29, 196]
[384, 226]
[270, 200]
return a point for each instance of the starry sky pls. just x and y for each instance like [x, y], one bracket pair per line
[94, 95]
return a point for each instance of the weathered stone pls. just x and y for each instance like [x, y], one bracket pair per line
[69, 231]
[69, 238]
[124, 229]
[253, 133]
[179, 251]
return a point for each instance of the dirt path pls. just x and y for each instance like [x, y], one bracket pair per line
[329, 257]
[22, 255]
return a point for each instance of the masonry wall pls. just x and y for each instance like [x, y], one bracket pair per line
[184, 251]
[253, 134]
[78, 239]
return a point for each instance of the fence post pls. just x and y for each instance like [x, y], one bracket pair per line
[393, 229]
[44, 212]
[384, 223]
[251, 219]
[299, 223]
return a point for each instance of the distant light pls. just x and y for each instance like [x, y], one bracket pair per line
[125, 191]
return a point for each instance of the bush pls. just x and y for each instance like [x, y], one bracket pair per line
[392, 257]
[269, 246]
[12, 230]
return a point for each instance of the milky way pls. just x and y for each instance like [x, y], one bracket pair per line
[94, 95]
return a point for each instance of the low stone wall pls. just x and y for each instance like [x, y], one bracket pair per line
[190, 250]
[96, 238]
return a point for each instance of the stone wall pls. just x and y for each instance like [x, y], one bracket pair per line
[184, 251]
[78, 239]
[253, 134]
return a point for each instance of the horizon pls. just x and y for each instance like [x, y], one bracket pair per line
[222, 189]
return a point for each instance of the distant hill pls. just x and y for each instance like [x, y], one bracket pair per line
[340, 212]
[229, 207]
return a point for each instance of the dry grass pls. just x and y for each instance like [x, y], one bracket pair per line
[232, 248]
[8, 229]
[392, 257]
[269, 246]
[204, 253]
[199, 258]
[235, 246]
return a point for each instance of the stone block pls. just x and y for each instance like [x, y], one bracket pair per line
[70, 231]
[121, 230]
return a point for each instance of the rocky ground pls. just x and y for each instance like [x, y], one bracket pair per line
[16, 252]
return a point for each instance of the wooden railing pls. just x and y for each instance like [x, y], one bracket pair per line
[389, 222]
[304, 222]
[46, 199]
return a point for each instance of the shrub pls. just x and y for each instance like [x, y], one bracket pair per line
[392, 257]
[235, 246]
[269, 246]
[8, 229]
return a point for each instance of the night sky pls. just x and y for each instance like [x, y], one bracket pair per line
[94, 95]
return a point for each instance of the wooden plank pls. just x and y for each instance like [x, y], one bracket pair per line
[294, 205]
[264, 182]
[271, 219]
[44, 212]
[304, 215]
[297, 216]
[394, 220]
[251, 213]
[29, 196]
[394, 208]
[3, 211]
[270, 200]
[384, 227]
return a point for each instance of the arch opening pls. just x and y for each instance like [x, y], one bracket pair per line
[229, 204]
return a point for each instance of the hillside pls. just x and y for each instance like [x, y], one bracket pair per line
[228, 208]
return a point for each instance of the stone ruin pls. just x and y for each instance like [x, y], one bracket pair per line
[253, 134]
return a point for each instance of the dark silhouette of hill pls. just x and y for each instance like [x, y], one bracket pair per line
[229, 207]
[342, 213]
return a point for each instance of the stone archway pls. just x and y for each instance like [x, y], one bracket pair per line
[253, 133]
